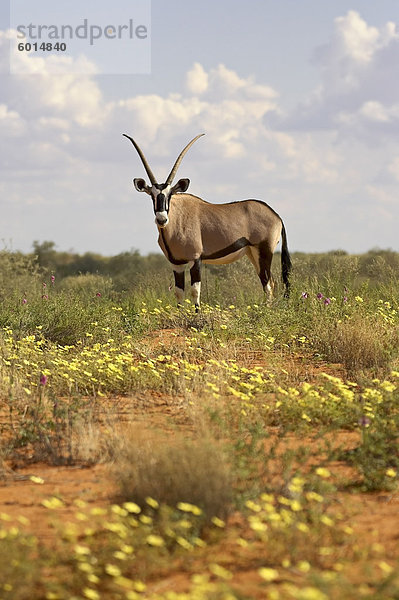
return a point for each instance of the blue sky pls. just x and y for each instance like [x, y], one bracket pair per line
[299, 102]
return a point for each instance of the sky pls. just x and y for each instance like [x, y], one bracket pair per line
[299, 103]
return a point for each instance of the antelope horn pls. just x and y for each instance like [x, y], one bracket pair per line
[180, 158]
[143, 160]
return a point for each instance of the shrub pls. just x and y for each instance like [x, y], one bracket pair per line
[358, 343]
[197, 472]
[19, 276]
[87, 285]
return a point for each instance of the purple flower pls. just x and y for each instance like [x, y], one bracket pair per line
[43, 379]
[364, 421]
[52, 278]
[304, 295]
[327, 301]
[44, 285]
[24, 301]
[45, 297]
[319, 296]
[98, 294]
[345, 298]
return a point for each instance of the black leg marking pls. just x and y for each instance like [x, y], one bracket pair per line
[265, 261]
[195, 273]
[179, 285]
[179, 279]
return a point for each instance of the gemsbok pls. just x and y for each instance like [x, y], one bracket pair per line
[193, 231]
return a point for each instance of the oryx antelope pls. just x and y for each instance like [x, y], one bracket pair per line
[192, 231]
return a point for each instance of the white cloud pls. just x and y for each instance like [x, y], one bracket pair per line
[226, 81]
[230, 109]
[321, 167]
[384, 204]
[197, 79]
[352, 51]
[393, 169]
[358, 81]
[66, 95]
[11, 123]
[354, 39]
[374, 111]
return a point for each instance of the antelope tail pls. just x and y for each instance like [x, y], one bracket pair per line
[286, 264]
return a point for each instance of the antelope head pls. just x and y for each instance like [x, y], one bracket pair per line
[162, 192]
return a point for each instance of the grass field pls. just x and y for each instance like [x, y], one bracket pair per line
[245, 452]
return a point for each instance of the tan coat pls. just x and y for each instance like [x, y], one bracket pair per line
[217, 232]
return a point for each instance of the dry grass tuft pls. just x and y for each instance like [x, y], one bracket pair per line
[149, 464]
[359, 343]
[87, 444]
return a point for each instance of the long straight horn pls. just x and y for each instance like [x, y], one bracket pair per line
[180, 158]
[143, 160]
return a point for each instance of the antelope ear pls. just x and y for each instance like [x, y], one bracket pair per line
[141, 186]
[180, 186]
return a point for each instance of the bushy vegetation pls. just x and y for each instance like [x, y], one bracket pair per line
[146, 467]
[258, 397]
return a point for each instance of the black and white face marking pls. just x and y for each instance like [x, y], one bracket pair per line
[161, 193]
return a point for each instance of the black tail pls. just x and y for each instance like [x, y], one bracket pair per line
[286, 264]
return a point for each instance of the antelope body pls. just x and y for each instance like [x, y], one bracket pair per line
[192, 231]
